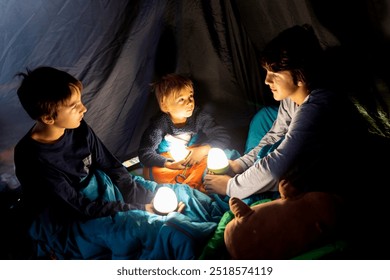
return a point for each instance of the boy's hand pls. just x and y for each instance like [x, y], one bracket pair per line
[176, 164]
[235, 167]
[149, 208]
[197, 154]
[180, 208]
[216, 183]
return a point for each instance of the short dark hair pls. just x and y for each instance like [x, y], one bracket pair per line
[43, 89]
[298, 50]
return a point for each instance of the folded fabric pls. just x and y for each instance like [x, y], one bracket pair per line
[133, 234]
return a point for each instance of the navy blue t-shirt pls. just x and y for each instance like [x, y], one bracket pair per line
[52, 175]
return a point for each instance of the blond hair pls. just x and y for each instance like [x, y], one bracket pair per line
[169, 86]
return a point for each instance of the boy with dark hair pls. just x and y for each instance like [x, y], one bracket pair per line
[77, 195]
[305, 135]
[60, 152]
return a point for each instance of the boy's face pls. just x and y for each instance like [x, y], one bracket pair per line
[181, 106]
[281, 84]
[71, 112]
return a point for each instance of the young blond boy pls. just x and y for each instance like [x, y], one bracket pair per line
[180, 123]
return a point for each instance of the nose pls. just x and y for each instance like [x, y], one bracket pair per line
[267, 80]
[83, 108]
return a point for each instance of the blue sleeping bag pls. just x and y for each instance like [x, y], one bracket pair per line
[133, 234]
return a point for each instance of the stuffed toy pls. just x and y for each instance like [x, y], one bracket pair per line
[283, 228]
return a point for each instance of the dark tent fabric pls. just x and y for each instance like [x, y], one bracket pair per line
[117, 48]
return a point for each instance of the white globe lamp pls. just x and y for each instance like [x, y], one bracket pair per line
[165, 201]
[217, 161]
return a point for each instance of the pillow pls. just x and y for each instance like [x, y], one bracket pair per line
[261, 122]
[283, 228]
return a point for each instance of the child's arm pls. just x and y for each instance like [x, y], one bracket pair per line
[149, 144]
[104, 160]
[44, 185]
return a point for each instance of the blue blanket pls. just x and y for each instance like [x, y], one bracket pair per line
[134, 234]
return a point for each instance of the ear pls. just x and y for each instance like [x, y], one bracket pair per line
[164, 107]
[47, 119]
[287, 189]
[239, 208]
[300, 83]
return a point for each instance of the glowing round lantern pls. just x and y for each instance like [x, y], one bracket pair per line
[165, 200]
[217, 161]
[178, 151]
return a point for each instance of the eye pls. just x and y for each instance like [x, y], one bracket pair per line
[76, 106]
[273, 75]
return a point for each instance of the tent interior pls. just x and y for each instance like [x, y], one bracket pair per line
[117, 48]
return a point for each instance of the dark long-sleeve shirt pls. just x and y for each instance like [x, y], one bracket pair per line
[52, 175]
[200, 125]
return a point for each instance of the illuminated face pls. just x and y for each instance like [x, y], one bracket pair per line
[71, 112]
[281, 84]
[181, 106]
